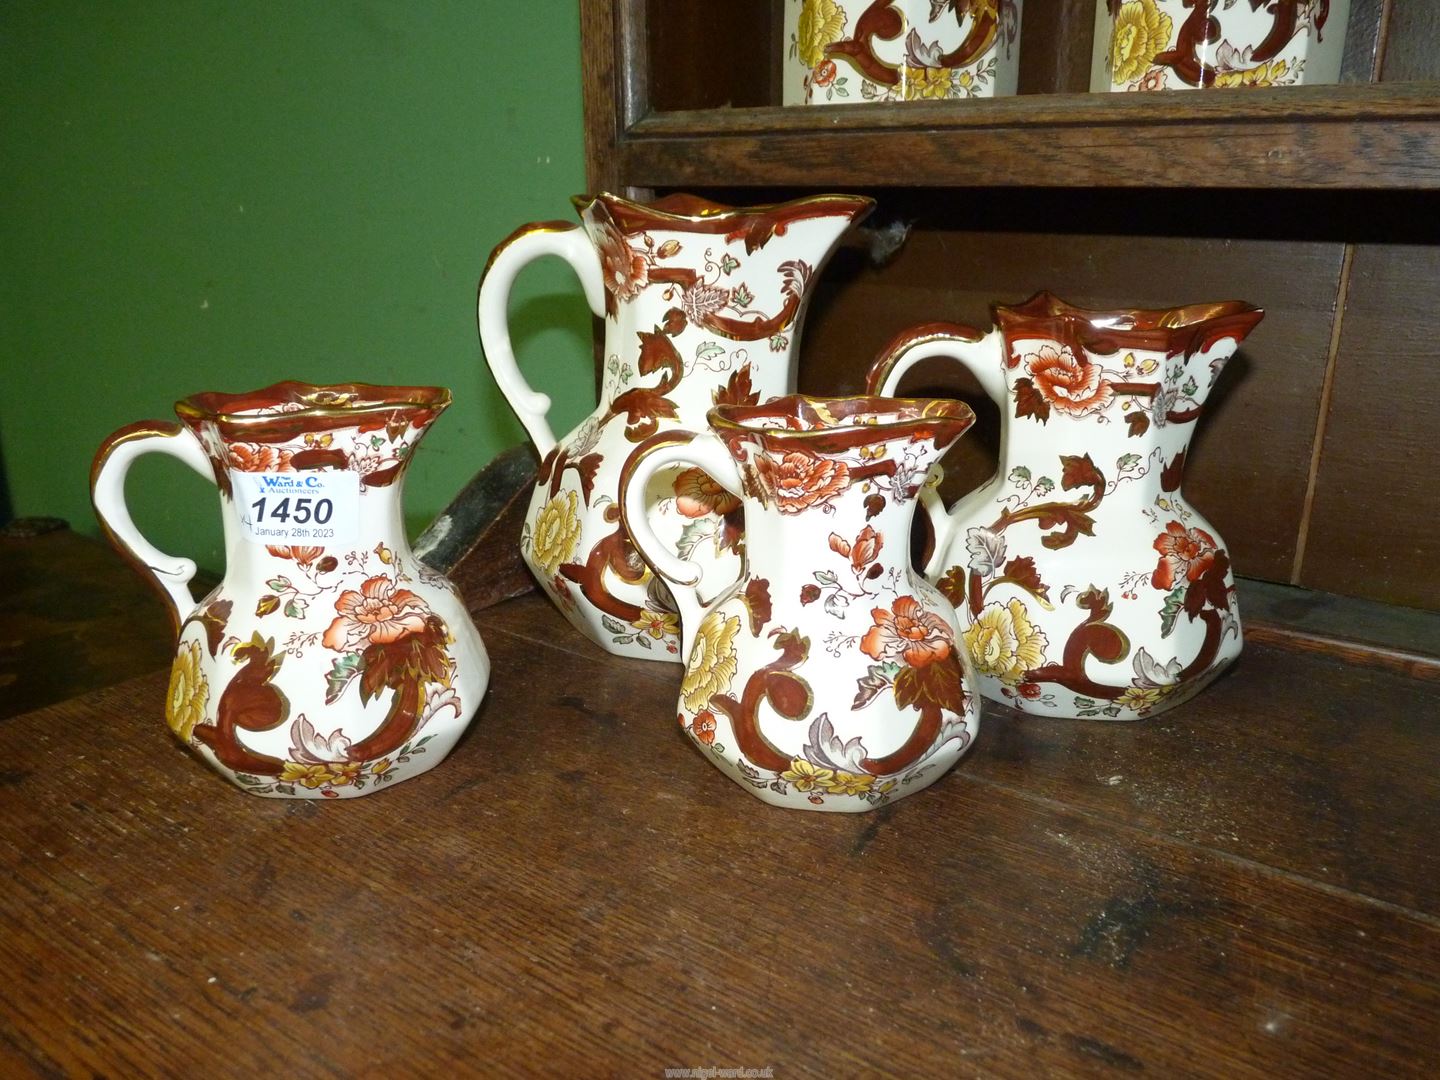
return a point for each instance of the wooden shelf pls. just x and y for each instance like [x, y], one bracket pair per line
[1373, 136]
[1247, 886]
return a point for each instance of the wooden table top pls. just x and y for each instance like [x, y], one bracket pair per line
[1248, 886]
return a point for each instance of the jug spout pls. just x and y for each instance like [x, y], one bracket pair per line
[1067, 360]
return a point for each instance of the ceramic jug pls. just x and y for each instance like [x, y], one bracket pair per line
[703, 304]
[1089, 585]
[828, 676]
[329, 662]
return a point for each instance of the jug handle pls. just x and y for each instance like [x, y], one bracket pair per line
[525, 245]
[703, 451]
[980, 353]
[170, 575]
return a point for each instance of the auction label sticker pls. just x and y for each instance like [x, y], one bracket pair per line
[310, 508]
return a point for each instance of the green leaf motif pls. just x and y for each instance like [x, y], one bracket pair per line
[825, 577]
[279, 584]
[1174, 604]
[341, 673]
[1019, 475]
[295, 607]
[612, 625]
[1128, 461]
[741, 296]
[729, 264]
[695, 533]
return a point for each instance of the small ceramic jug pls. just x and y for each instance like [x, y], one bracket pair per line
[329, 662]
[828, 676]
[899, 50]
[702, 303]
[1089, 586]
[1200, 44]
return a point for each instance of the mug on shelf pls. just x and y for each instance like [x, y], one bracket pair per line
[899, 50]
[1198, 44]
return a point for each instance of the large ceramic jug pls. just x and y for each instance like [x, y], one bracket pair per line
[329, 662]
[1089, 584]
[703, 305]
[828, 676]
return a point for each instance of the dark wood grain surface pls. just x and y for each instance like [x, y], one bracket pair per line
[1224, 894]
[1373, 531]
[73, 617]
[1410, 41]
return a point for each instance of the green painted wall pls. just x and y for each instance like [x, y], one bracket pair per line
[217, 196]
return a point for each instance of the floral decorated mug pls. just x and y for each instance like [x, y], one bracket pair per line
[899, 50]
[1197, 44]
[330, 662]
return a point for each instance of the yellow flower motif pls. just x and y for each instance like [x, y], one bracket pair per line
[310, 776]
[188, 693]
[922, 83]
[1004, 643]
[344, 772]
[1142, 698]
[381, 767]
[821, 23]
[712, 661]
[657, 624]
[1270, 73]
[1141, 30]
[807, 777]
[849, 783]
[557, 532]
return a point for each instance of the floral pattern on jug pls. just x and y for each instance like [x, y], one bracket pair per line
[1090, 586]
[328, 668]
[703, 305]
[899, 50]
[829, 676]
[1195, 44]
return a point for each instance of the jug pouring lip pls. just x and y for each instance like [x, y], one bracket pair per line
[833, 424]
[291, 404]
[682, 209]
[1186, 328]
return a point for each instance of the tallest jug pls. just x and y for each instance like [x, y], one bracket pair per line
[703, 306]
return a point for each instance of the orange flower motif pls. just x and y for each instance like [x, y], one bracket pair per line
[304, 556]
[696, 495]
[1070, 384]
[625, 269]
[378, 614]
[800, 481]
[256, 457]
[704, 727]
[863, 551]
[1183, 554]
[921, 637]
